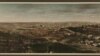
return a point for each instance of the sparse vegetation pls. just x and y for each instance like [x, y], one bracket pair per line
[49, 37]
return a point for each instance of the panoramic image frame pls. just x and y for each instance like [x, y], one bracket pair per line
[25, 28]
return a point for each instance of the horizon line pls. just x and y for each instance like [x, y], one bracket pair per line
[53, 22]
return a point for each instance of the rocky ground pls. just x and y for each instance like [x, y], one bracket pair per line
[70, 37]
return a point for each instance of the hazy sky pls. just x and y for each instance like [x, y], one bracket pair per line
[49, 12]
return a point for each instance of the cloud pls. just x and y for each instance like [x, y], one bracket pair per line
[49, 12]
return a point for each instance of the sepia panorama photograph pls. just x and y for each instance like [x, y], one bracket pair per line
[49, 28]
